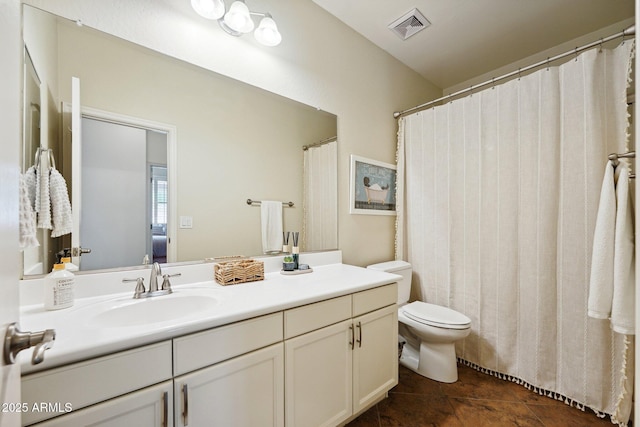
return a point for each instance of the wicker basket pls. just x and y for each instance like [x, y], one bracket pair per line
[241, 271]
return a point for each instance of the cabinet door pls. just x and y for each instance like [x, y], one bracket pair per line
[375, 357]
[245, 391]
[149, 407]
[318, 376]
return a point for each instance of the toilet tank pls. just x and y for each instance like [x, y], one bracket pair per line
[401, 268]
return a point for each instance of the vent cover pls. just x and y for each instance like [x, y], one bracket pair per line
[409, 24]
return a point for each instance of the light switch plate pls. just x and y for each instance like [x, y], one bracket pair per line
[186, 222]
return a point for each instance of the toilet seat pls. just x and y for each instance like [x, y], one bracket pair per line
[436, 315]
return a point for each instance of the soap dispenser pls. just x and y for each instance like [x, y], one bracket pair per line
[59, 288]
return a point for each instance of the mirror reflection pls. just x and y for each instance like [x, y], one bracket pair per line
[225, 141]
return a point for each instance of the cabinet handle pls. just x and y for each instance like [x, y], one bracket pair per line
[165, 409]
[185, 405]
[359, 326]
[352, 342]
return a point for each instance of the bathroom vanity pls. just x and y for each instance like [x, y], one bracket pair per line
[306, 350]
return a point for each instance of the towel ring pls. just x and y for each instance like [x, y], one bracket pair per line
[38, 157]
[52, 160]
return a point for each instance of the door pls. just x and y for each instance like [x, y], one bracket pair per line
[76, 153]
[247, 391]
[375, 356]
[10, 134]
[318, 377]
[113, 220]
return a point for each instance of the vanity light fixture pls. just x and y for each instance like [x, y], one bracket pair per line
[238, 20]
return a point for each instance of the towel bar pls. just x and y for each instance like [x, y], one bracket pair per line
[615, 156]
[257, 202]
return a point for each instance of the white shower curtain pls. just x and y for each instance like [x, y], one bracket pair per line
[498, 195]
[320, 219]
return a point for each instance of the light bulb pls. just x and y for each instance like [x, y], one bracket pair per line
[267, 32]
[210, 9]
[238, 18]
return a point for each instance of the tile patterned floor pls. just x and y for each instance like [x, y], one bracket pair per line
[476, 400]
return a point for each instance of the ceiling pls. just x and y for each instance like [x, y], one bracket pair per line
[468, 38]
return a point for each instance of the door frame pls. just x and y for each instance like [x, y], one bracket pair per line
[172, 150]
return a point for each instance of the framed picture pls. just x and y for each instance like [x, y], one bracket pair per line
[373, 187]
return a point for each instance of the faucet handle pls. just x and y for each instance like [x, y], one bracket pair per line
[166, 284]
[139, 286]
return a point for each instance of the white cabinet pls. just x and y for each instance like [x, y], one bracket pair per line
[245, 391]
[222, 372]
[150, 407]
[337, 371]
[315, 365]
[375, 356]
[82, 384]
[318, 374]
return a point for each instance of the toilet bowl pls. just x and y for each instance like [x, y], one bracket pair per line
[428, 332]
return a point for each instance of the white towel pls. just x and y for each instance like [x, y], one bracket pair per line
[601, 282]
[27, 225]
[271, 215]
[31, 179]
[43, 199]
[623, 304]
[60, 205]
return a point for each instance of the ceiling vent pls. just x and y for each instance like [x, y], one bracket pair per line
[409, 24]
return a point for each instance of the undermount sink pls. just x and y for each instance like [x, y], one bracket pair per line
[128, 312]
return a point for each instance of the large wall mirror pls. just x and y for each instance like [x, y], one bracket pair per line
[217, 143]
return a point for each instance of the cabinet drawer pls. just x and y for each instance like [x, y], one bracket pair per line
[149, 407]
[202, 349]
[314, 316]
[373, 299]
[83, 384]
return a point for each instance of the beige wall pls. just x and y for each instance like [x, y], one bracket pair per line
[542, 56]
[320, 62]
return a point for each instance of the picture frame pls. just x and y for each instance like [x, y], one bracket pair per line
[372, 187]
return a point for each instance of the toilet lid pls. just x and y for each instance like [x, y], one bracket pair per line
[436, 315]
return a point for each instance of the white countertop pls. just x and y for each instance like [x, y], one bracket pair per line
[76, 339]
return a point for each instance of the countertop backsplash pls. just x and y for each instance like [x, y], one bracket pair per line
[110, 282]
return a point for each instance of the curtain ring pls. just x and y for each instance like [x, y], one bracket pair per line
[519, 75]
[471, 91]
[576, 51]
[493, 83]
[548, 63]
[601, 41]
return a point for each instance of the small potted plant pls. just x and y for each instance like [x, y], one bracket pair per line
[288, 264]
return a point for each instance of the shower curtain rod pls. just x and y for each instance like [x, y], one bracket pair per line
[627, 32]
[316, 144]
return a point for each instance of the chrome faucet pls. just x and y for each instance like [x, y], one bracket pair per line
[153, 291]
[155, 272]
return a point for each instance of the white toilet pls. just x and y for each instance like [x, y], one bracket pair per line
[429, 331]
